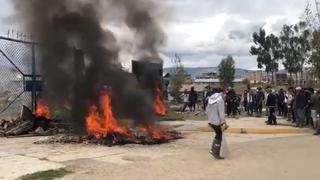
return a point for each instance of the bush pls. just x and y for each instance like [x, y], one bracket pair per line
[290, 81]
[310, 83]
[246, 82]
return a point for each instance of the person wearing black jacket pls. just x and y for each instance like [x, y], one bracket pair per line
[301, 104]
[193, 98]
[281, 99]
[231, 104]
[245, 100]
[309, 92]
[271, 105]
[259, 100]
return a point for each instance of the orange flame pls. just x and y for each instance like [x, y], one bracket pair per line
[101, 125]
[154, 131]
[42, 110]
[158, 105]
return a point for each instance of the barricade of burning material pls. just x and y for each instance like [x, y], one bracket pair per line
[103, 128]
[142, 135]
[29, 124]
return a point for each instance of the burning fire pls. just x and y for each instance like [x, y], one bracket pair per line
[99, 126]
[42, 110]
[102, 124]
[158, 105]
[154, 132]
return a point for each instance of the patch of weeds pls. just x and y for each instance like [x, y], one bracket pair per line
[46, 175]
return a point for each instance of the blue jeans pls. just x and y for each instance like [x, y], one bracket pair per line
[251, 108]
[300, 116]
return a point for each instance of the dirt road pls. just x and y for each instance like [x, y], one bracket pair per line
[287, 158]
[252, 157]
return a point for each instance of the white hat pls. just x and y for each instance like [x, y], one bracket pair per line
[298, 88]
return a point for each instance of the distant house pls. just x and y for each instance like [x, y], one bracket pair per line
[255, 76]
[282, 78]
[215, 81]
[197, 87]
[309, 76]
[207, 75]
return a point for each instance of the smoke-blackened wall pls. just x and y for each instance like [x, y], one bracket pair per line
[64, 25]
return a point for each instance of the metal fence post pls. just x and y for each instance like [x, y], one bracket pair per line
[34, 79]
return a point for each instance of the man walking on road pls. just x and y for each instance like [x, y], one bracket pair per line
[271, 105]
[216, 116]
[185, 97]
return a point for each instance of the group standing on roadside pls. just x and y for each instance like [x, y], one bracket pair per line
[301, 106]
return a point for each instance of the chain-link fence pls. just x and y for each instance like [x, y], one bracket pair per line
[16, 69]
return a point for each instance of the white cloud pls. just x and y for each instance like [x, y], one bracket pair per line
[204, 31]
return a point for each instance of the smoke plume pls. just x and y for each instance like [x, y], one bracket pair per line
[62, 26]
[138, 17]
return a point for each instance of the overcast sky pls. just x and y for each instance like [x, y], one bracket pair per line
[204, 31]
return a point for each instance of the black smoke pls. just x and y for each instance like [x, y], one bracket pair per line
[65, 25]
[138, 16]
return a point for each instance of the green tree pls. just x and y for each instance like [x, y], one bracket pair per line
[177, 78]
[227, 71]
[288, 50]
[313, 21]
[315, 57]
[296, 48]
[275, 54]
[303, 41]
[268, 51]
[246, 82]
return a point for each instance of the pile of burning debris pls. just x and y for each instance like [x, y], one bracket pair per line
[31, 124]
[82, 73]
[103, 128]
[137, 137]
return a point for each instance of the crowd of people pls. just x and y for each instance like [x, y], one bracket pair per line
[301, 106]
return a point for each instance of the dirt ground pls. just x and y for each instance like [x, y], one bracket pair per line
[276, 158]
[263, 157]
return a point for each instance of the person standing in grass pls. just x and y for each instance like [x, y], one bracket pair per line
[193, 98]
[185, 97]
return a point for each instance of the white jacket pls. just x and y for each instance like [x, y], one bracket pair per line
[215, 109]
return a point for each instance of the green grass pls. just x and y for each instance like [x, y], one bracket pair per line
[46, 175]
[171, 114]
